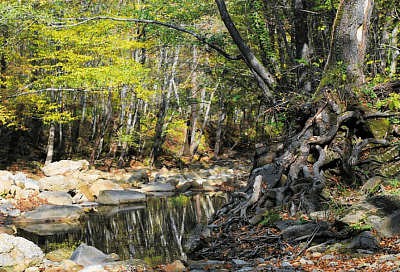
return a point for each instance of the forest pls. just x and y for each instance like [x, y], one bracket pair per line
[308, 89]
[165, 81]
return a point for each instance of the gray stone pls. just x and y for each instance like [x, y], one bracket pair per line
[58, 183]
[174, 180]
[51, 213]
[270, 173]
[56, 198]
[128, 265]
[371, 186]
[87, 255]
[157, 187]
[296, 231]
[51, 228]
[17, 253]
[103, 184]
[116, 197]
[240, 262]
[138, 177]
[365, 240]
[65, 166]
[6, 180]
[184, 186]
[191, 175]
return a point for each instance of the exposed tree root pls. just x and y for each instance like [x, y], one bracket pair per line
[293, 177]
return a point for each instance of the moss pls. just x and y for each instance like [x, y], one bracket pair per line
[379, 128]
[391, 169]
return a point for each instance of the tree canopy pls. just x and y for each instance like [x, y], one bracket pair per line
[133, 80]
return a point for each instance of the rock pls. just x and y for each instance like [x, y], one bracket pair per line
[371, 186]
[51, 228]
[184, 186]
[56, 198]
[116, 197]
[17, 253]
[163, 172]
[380, 128]
[365, 240]
[6, 180]
[83, 194]
[296, 231]
[58, 183]
[128, 265]
[191, 175]
[102, 185]
[8, 209]
[176, 266]
[139, 176]
[258, 217]
[157, 187]
[26, 183]
[87, 255]
[69, 265]
[65, 166]
[93, 268]
[197, 239]
[198, 183]
[270, 173]
[382, 212]
[159, 178]
[59, 255]
[51, 213]
[174, 180]
[18, 192]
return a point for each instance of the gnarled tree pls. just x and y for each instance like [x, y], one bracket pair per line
[335, 125]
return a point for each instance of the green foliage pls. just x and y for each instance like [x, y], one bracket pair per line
[392, 102]
[270, 217]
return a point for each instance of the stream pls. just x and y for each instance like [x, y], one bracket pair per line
[154, 233]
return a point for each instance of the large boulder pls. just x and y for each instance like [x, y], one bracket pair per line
[65, 166]
[116, 197]
[138, 177]
[87, 255]
[157, 187]
[51, 213]
[17, 253]
[382, 212]
[103, 184]
[58, 183]
[6, 180]
[56, 197]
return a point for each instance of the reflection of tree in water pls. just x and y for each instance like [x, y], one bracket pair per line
[155, 234]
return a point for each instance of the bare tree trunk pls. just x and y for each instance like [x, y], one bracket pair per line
[194, 104]
[106, 124]
[221, 118]
[165, 105]
[50, 145]
[196, 146]
[395, 50]
[265, 79]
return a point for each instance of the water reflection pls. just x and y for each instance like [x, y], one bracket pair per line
[155, 233]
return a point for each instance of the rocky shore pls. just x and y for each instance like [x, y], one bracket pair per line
[67, 190]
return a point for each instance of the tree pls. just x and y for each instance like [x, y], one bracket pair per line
[283, 172]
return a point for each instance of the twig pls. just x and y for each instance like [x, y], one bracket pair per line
[309, 241]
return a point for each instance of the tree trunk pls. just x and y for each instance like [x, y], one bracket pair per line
[221, 118]
[265, 79]
[302, 45]
[283, 172]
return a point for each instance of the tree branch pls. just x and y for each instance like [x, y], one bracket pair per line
[168, 25]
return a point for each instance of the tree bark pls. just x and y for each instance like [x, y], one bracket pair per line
[265, 79]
